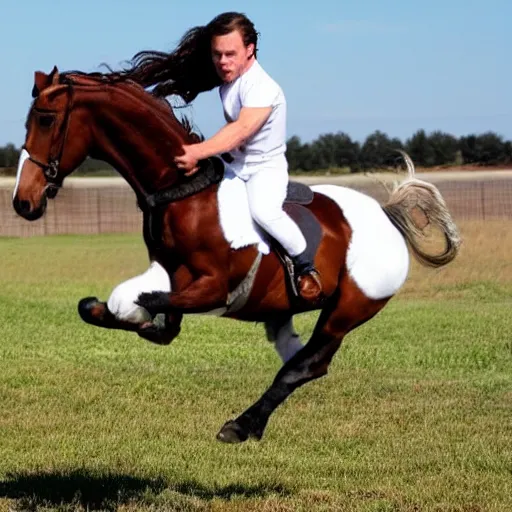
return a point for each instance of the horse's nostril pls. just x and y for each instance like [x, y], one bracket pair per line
[22, 207]
[27, 210]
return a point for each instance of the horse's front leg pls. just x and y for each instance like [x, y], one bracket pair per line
[206, 293]
[122, 312]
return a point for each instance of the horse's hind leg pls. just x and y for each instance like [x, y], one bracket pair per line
[346, 310]
[286, 341]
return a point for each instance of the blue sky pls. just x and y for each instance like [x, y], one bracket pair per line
[395, 65]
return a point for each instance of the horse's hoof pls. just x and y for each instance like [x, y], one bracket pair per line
[232, 432]
[91, 310]
[235, 432]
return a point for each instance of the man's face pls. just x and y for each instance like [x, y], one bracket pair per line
[230, 56]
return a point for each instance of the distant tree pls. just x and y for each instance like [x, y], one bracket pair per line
[485, 149]
[293, 152]
[444, 147]
[9, 156]
[313, 158]
[301, 156]
[508, 152]
[336, 150]
[420, 149]
[492, 149]
[468, 148]
[328, 150]
[379, 151]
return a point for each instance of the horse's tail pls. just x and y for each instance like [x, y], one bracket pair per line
[417, 196]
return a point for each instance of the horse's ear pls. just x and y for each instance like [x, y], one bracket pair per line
[42, 81]
[54, 76]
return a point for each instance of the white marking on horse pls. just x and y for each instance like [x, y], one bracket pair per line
[24, 155]
[286, 341]
[377, 256]
[121, 302]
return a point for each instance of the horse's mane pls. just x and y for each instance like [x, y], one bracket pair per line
[165, 109]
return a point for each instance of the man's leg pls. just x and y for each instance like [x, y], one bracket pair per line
[266, 190]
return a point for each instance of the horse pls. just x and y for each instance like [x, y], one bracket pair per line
[362, 248]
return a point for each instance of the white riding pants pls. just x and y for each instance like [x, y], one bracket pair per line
[266, 191]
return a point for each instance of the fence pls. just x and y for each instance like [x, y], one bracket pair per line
[83, 210]
[91, 207]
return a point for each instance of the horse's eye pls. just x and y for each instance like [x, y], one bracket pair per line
[45, 121]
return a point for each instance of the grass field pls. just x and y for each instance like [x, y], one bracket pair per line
[415, 414]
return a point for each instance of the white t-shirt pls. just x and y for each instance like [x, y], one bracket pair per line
[255, 88]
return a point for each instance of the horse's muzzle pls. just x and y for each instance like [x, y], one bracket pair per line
[24, 209]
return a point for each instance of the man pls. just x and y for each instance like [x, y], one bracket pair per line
[223, 53]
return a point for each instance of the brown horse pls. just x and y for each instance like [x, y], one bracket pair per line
[361, 254]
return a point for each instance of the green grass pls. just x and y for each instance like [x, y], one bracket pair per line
[415, 414]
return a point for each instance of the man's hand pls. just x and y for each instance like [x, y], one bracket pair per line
[188, 160]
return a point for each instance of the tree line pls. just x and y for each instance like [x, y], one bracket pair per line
[378, 151]
[339, 151]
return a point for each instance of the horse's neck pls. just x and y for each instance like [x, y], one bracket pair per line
[138, 142]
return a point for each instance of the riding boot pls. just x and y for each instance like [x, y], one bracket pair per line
[307, 278]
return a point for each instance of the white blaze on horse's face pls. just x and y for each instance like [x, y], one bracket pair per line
[23, 157]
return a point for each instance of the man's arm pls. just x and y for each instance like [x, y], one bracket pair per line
[233, 134]
[230, 136]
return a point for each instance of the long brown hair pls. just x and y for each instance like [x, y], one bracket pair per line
[188, 70]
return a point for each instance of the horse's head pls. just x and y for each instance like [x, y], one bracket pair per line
[56, 144]
[77, 114]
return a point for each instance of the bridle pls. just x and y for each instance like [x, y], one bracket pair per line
[51, 169]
